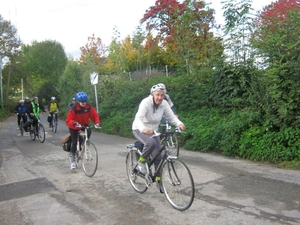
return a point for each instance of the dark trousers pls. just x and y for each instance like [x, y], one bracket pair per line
[21, 116]
[74, 138]
[34, 122]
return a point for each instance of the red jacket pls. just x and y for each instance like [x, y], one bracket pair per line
[82, 115]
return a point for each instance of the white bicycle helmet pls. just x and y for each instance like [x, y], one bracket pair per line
[21, 101]
[53, 98]
[163, 85]
[158, 87]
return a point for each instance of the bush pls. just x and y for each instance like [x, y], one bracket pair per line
[258, 143]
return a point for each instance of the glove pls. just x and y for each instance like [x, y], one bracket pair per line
[76, 124]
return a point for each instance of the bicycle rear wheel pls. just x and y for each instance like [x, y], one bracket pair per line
[172, 144]
[89, 159]
[136, 180]
[178, 184]
[41, 133]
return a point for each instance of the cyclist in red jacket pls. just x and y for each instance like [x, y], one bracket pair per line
[80, 114]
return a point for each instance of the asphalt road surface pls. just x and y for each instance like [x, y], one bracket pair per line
[38, 187]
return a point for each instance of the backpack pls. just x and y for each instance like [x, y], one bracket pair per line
[66, 142]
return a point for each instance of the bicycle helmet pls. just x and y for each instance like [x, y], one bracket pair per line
[34, 98]
[21, 101]
[157, 87]
[81, 96]
[53, 98]
[26, 98]
[73, 99]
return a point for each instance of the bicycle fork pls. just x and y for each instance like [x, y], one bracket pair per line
[174, 179]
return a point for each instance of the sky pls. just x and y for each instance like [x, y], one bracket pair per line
[71, 22]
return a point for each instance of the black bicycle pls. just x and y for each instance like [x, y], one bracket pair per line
[39, 132]
[53, 123]
[22, 122]
[176, 181]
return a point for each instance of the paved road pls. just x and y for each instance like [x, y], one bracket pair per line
[38, 187]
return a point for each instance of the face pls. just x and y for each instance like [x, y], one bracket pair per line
[158, 96]
[36, 100]
[82, 104]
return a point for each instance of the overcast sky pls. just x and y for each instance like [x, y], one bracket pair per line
[71, 22]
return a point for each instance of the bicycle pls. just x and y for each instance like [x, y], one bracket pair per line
[40, 133]
[53, 123]
[87, 152]
[22, 122]
[172, 140]
[176, 182]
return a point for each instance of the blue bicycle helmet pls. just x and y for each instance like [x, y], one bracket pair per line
[81, 96]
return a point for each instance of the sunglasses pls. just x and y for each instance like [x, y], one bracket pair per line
[83, 101]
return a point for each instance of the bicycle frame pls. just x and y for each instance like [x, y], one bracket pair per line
[165, 156]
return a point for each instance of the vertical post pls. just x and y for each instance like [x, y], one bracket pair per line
[22, 87]
[1, 91]
[167, 71]
[96, 98]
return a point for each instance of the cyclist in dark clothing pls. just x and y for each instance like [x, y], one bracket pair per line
[20, 110]
[34, 110]
[27, 102]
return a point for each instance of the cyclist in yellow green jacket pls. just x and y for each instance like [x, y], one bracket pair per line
[52, 107]
[33, 111]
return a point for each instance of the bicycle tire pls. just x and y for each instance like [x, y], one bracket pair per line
[41, 132]
[54, 124]
[136, 180]
[177, 184]
[32, 133]
[172, 144]
[21, 127]
[90, 159]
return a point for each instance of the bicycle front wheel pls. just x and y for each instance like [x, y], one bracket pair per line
[41, 133]
[54, 124]
[172, 144]
[21, 127]
[89, 159]
[178, 184]
[136, 180]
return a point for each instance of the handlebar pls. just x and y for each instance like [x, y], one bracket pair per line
[88, 127]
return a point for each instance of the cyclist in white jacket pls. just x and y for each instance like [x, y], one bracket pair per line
[147, 120]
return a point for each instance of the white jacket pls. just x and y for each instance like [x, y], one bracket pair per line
[149, 117]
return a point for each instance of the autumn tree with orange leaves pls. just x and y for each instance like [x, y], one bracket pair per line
[183, 30]
[93, 53]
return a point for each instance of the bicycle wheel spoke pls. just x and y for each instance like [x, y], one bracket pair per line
[90, 159]
[178, 184]
[41, 133]
[136, 180]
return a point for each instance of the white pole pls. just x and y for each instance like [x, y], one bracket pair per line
[22, 87]
[167, 70]
[96, 98]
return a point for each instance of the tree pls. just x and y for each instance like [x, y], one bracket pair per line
[183, 29]
[9, 45]
[94, 51]
[277, 41]
[44, 63]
